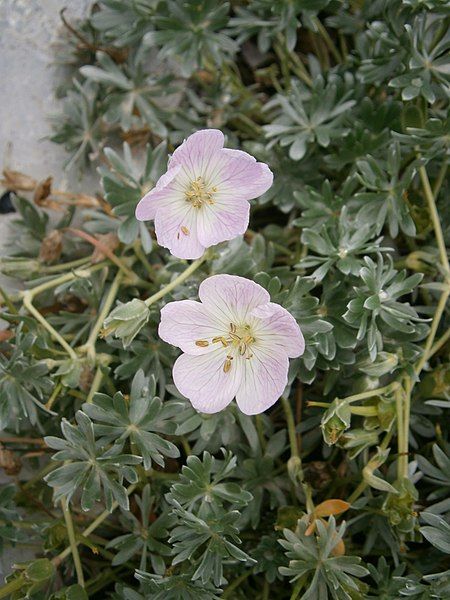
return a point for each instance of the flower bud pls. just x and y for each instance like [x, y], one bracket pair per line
[126, 320]
[335, 421]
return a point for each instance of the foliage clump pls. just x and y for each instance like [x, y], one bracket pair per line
[136, 495]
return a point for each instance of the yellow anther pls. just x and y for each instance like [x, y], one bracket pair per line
[185, 230]
[227, 365]
[202, 343]
[198, 193]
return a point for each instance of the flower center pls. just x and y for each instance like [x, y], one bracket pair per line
[198, 193]
[239, 340]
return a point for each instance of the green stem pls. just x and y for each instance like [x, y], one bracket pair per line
[72, 541]
[235, 584]
[73, 264]
[363, 485]
[440, 178]
[28, 304]
[260, 430]
[291, 427]
[96, 383]
[141, 256]
[47, 285]
[399, 405]
[57, 560]
[12, 309]
[438, 345]
[12, 586]
[327, 39]
[370, 393]
[89, 346]
[181, 277]
[53, 396]
[433, 329]
[435, 219]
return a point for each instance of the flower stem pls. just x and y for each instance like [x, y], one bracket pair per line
[181, 277]
[28, 304]
[72, 541]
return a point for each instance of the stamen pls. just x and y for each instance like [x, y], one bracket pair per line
[227, 365]
[202, 343]
[198, 193]
[185, 230]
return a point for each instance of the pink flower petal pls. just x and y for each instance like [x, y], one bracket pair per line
[241, 176]
[197, 149]
[277, 328]
[156, 197]
[202, 379]
[231, 298]
[185, 322]
[176, 229]
[264, 378]
[224, 220]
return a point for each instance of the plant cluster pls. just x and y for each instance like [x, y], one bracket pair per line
[340, 490]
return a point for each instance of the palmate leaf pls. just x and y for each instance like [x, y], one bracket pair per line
[386, 184]
[311, 561]
[375, 307]
[89, 465]
[303, 117]
[192, 33]
[124, 23]
[436, 531]
[145, 537]
[124, 182]
[174, 587]
[133, 97]
[139, 420]
[24, 383]
[202, 489]
[207, 542]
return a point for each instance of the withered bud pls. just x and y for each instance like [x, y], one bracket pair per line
[9, 462]
[43, 191]
[51, 247]
[15, 181]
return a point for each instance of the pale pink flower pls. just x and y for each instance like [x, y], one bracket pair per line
[203, 197]
[236, 344]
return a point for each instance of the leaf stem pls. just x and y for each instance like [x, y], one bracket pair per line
[72, 541]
